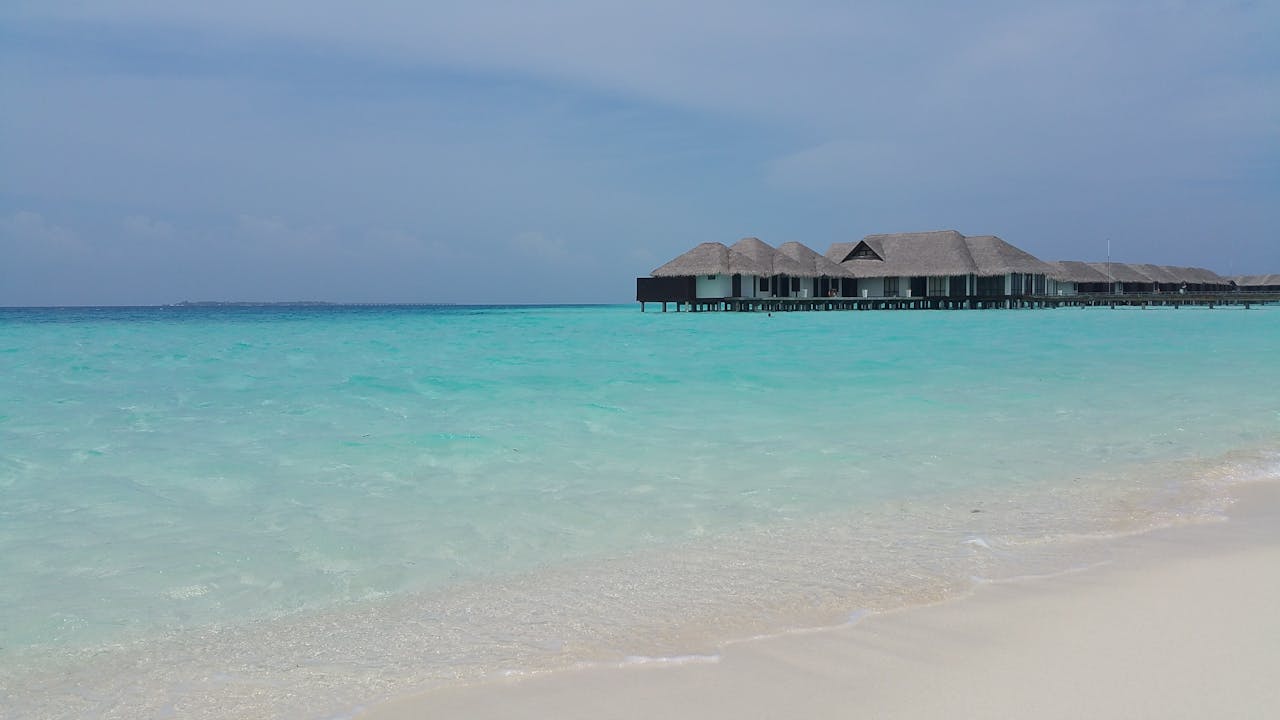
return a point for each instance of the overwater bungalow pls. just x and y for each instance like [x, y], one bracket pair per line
[938, 269]
[782, 276]
[750, 268]
[1124, 278]
[1257, 283]
[942, 263]
[1163, 279]
[1080, 278]
[1203, 280]
[829, 279]
[710, 270]
[1072, 277]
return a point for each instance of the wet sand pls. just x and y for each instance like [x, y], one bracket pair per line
[1182, 623]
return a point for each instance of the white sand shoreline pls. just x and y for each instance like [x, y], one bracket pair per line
[1183, 623]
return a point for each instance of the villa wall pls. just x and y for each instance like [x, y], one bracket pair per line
[715, 286]
[1060, 287]
[870, 287]
[718, 286]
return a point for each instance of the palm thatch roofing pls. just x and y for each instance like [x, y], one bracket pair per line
[768, 258]
[1256, 280]
[711, 258]
[1120, 272]
[994, 256]
[1077, 272]
[937, 253]
[934, 254]
[1082, 272]
[1160, 274]
[1185, 274]
[1201, 276]
[811, 263]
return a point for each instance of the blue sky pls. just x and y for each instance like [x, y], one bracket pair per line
[553, 151]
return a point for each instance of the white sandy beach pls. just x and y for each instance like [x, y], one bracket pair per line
[1184, 623]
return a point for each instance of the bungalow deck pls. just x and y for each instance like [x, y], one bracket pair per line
[795, 304]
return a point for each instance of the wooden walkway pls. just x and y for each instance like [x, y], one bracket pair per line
[1174, 300]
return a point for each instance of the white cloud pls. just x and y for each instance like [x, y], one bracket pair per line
[26, 235]
[845, 165]
[540, 245]
[143, 227]
[265, 235]
[412, 247]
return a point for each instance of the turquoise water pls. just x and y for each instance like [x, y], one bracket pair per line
[214, 512]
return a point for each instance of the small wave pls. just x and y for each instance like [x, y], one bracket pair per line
[187, 591]
[633, 660]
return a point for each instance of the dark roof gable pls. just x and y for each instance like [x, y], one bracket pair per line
[862, 251]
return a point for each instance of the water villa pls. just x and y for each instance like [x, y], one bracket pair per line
[1258, 283]
[935, 270]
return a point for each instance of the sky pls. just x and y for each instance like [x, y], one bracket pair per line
[529, 151]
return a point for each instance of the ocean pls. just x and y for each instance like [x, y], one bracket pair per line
[286, 511]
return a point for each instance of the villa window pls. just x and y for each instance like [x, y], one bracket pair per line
[795, 284]
[711, 277]
[764, 284]
[990, 286]
[937, 286]
[891, 287]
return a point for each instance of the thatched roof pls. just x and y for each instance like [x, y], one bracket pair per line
[1183, 274]
[1076, 272]
[1201, 275]
[994, 256]
[1082, 272]
[768, 258]
[1120, 272]
[1256, 280]
[811, 263]
[757, 250]
[750, 256]
[935, 254]
[711, 258]
[1160, 274]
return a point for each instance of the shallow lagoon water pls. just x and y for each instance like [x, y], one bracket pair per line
[291, 511]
